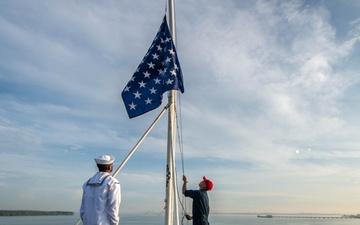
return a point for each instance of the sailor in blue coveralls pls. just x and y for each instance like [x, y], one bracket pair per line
[200, 206]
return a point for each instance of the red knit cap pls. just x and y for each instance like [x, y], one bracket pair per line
[209, 183]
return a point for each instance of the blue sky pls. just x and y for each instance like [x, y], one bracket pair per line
[270, 111]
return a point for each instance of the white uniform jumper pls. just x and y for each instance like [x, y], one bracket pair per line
[101, 200]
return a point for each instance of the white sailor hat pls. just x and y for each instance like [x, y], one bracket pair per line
[105, 160]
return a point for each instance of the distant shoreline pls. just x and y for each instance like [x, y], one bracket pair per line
[34, 213]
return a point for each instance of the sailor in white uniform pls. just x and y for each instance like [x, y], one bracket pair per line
[101, 197]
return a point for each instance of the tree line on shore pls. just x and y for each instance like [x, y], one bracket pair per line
[34, 213]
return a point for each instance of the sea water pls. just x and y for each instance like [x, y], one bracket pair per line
[154, 219]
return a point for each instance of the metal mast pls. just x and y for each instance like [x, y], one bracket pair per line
[170, 175]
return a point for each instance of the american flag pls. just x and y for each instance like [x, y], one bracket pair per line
[158, 72]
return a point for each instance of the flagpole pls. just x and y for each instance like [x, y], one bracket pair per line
[169, 200]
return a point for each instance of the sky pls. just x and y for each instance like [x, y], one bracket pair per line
[270, 111]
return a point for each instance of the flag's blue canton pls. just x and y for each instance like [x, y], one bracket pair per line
[158, 72]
